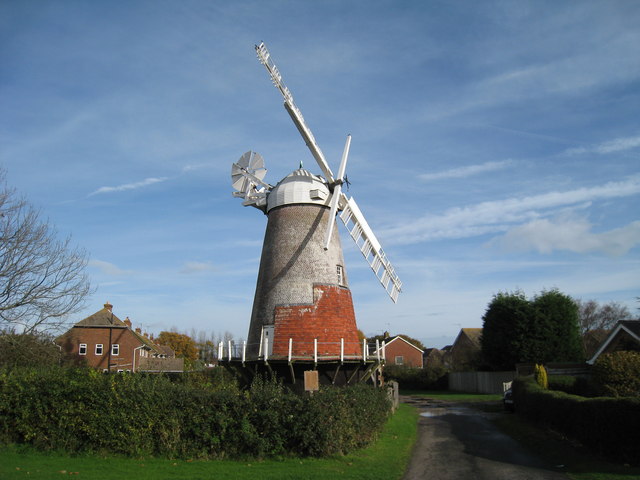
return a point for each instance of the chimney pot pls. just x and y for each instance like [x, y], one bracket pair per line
[108, 306]
[138, 330]
[127, 322]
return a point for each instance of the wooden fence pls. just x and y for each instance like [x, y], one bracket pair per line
[479, 382]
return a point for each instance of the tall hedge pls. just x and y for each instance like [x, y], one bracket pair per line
[140, 415]
[609, 426]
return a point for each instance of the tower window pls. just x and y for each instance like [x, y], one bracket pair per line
[340, 272]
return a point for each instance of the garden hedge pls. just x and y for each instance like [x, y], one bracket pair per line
[81, 410]
[609, 426]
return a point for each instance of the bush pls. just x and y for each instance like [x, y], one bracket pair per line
[81, 410]
[609, 426]
[540, 374]
[429, 378]
[617, 374]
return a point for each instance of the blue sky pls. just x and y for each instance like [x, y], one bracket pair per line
[496, 146]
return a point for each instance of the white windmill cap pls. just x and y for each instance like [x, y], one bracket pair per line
[300, 186]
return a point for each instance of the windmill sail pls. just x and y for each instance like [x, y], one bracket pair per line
[294, 112]
[371, 249]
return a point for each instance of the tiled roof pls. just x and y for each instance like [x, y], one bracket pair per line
[102, 318]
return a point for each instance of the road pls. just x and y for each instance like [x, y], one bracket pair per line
[456, 442]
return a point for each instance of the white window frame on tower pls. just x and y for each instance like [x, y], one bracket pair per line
[340, 272]
[99, 348]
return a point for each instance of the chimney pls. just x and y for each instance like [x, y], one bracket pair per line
[108, 306]
[138, 331]
[151, 337]
[127, 322]
[386, 335]
[146, 335]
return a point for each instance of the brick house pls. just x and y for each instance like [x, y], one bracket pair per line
[399, 351]
[105, 342]
[466, 350]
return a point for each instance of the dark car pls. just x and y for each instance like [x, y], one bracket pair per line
[507, 400]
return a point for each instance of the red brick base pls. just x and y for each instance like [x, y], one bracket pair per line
[330, 318]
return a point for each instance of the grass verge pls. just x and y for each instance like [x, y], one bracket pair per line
[578, 463]
[387, 459]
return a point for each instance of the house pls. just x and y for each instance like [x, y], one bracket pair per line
[433, 357]
[466, 350]
[105, 342]
[624, 336]
[399, 351]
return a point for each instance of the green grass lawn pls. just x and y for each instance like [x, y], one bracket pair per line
[386, 459]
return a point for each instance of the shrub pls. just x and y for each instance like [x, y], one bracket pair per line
[540, 374]
[617, 374]
[429, 378]
[81, 410]
[610, 426]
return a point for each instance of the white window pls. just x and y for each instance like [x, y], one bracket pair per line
[399, 360]
[340, 272]
[98, 349]
[83, 349]
[115, 349]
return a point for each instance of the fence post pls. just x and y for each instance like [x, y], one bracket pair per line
[378, 349]
[315, 350]
[229, 343]
[244, 351]
[290, 348]
[342, 350]
[220, 351]
[266, 348]
[364, 349]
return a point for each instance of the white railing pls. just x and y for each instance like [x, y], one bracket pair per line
[313, 350]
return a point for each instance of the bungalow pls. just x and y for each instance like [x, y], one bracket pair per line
[105, 342]
[624, 336]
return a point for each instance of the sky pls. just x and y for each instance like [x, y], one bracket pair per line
[495, 147]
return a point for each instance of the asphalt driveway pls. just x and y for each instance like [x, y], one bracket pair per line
[456, 441]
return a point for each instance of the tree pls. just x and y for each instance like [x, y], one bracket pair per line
[28, 350]
[594, 316]
[505, 329]
[183, 346]
[541, 330]
[42, 279]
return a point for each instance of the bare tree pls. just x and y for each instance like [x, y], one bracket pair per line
[42, 279]
[593, 316]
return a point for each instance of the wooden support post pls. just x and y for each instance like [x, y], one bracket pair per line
[315, 351]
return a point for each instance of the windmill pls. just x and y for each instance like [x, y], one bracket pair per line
[302, 307]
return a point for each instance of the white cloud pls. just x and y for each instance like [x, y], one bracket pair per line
[574, 235]
[107, 268]
[501, 215]
[197, 267]
[129, 186]
[616, 145]
[467, 171]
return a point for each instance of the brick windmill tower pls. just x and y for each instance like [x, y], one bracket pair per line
[303, 311]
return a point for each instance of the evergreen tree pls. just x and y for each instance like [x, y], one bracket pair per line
[518, 330]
